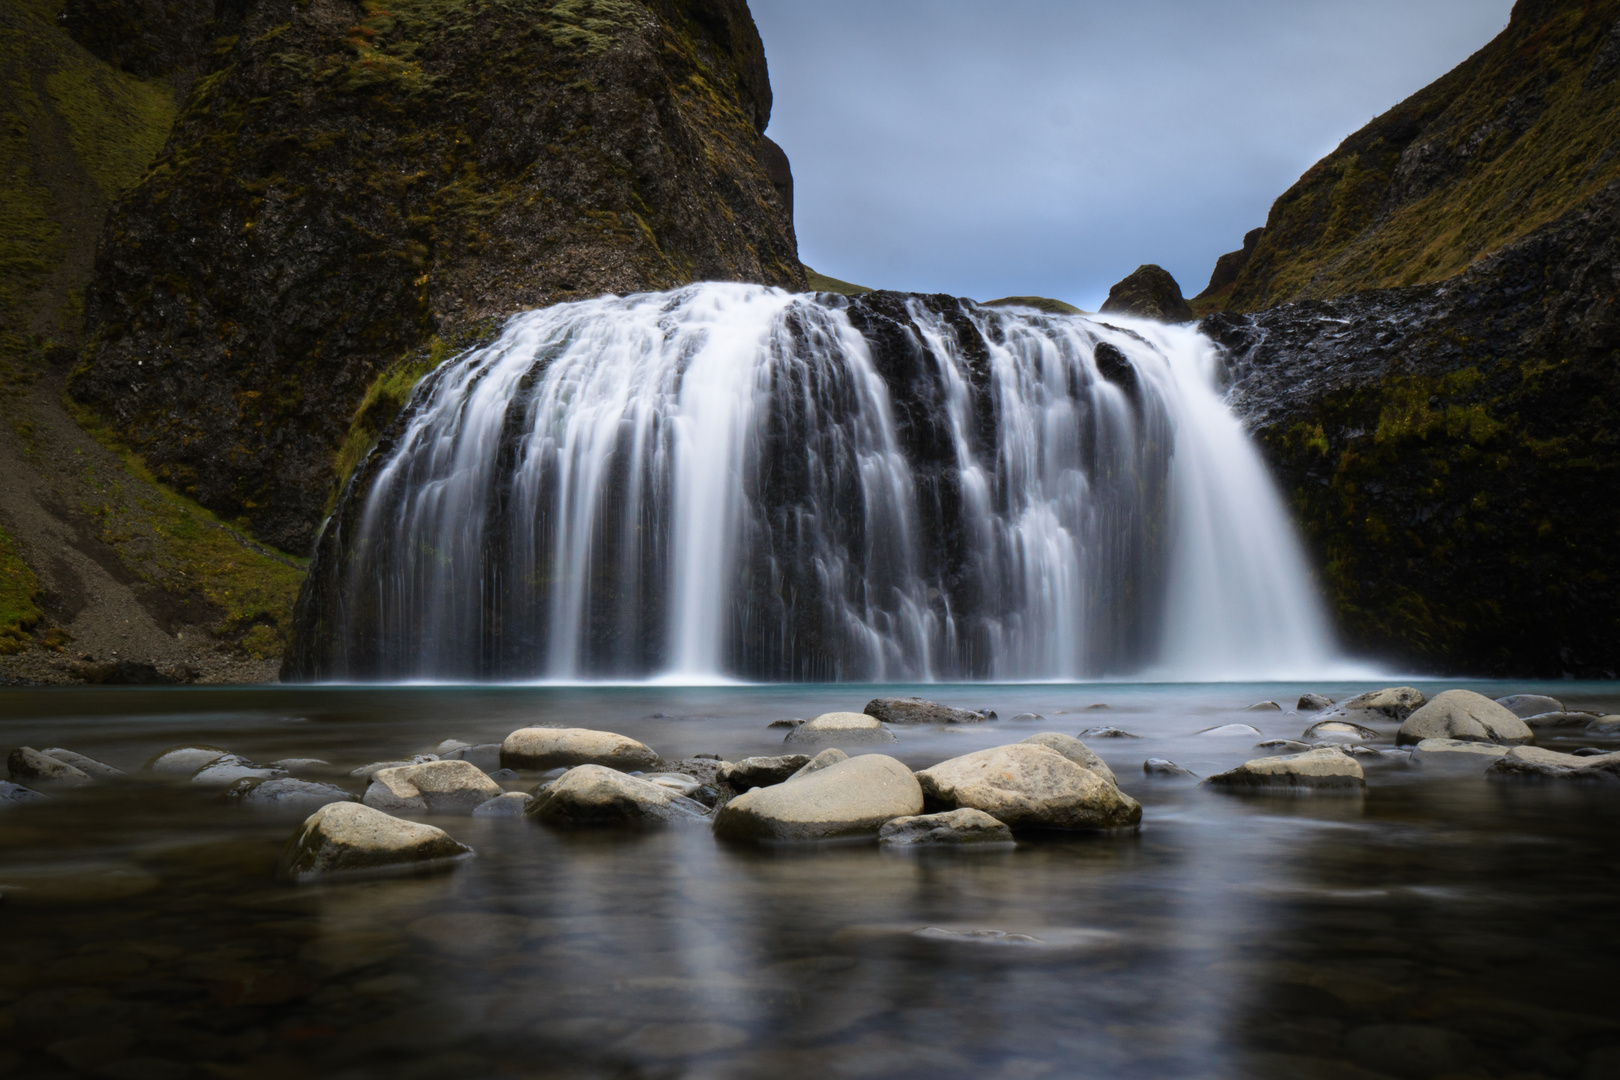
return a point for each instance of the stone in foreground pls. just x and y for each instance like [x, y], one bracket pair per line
[1463, 714]
[964, 826]
[841, 729]
[16, 795]
[433, 787]
[1028, 786]
[1536, 763]
[595, 795]
[349, 838]
[1325, 769]
[753, 772]
[544, 748]
[29, 764]
[286, 793]
[1076, 751]
[913, 710]
[849, 799]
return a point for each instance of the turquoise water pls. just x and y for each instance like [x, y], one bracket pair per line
[1439, 926]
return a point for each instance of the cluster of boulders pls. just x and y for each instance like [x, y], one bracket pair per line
[817, 791]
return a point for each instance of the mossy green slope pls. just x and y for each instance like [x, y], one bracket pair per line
[1522, 131]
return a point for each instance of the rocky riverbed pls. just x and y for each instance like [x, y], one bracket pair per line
[458, 881]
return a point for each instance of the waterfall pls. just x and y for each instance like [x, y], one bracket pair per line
[731, 481]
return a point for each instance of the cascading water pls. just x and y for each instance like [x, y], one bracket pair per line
[729, 481]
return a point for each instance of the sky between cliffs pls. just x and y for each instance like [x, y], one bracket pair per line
[1035, 147]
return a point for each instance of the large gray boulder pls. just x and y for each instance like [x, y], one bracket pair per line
[28, 764]
[1076, 751]
[350, 838]
[914, 710]
[1323, 769]
[963, 826]
[551, 748]
[1029, 786]
[840, 729]
[97, 770]
[753, 772]
[1527, 705]
[1463, 714]
[286, 793]
[1391, 703]
[849, 799]
[17, 795]
[1536, 763]
[433, 787]
[595, 795]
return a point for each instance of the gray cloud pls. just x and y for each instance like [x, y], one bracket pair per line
[1033, 147]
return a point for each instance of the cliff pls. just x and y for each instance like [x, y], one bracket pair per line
[352, 184]
[1430, 356]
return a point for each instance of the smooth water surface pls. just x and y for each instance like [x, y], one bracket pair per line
[1440, 926]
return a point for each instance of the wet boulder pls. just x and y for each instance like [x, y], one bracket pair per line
[595, 795]
[963, 826]
[549, 748]
[1604, 725]
[1463, 714]
[1527, 705]
[840, 729]
[227, 770]
[28, 764]
[1391, 703]
[486, 756]
[1338, 731]
[824, 760]
[96, 770]
[287, 793]
[433, 787]
[850, 799]
[753, 772]
[350, 838]
[1456, 754]
[1228, 730]
[1029, 786]
[1313, 703]
[1155, 766]
[17, 795]
[303, 766]
[1536, 763]
[1263, 706]
[511, 804]
[1323, 769]
[913, 710]
[1076, 751]
[1539, 721]
[366, 772]
[184, 760]
[1291, 746]
[1108, 732]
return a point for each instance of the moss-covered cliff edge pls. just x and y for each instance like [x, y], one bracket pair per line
[354, 181]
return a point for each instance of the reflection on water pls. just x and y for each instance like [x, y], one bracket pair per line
[1438, 927]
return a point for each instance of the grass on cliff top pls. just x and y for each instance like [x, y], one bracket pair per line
[19, 592]
[173, 543]
[823, 283]
[1039, 303]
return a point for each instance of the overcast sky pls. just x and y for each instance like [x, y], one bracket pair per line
[1007, 147]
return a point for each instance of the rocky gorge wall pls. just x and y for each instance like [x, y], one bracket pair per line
[351, 183]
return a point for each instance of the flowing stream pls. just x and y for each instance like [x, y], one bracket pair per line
[733, 482]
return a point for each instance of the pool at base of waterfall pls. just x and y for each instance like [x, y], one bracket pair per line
[1441, 922]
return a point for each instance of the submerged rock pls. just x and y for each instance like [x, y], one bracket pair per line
[1323, 769]
[1558, 720]
[366, 772]
[1456, 753]
[753, 772]
[184, 760]
[913, 710]
[549, 748]
[1338, 731]
[1230, 729]
[1527, 705]
[1313, 703]
[511, 804]
[1392, 703]
[963, 826]
[229, 769]
[1027, 716]
[486, 756]
[1107, 732]
[1155, 766]
[1604, 725]
[29, 764]
[841, 728]
[1290, 745]
[92, 768]
[302, 766]
[288, 793]
[849, 799]
[1536, 763]
[1076, 751]
[348, 837]
[1463, 714]
[17, 795]
[595, 795]
[1031, 787]
[434, 787]
[1263, 706]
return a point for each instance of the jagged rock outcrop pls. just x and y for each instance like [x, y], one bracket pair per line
[1148, 292]
[353, 183]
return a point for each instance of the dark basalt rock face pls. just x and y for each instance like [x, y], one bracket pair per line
[1150, 293]
[1453, 449]
[353, 182]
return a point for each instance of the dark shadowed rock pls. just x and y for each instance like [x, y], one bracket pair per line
[287, 793]
[17, 795]
[914, 710]
[1154, 766]
[964, 826]
[753, 772]
[1313, 702]
[28, 764]
[1148, 293]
